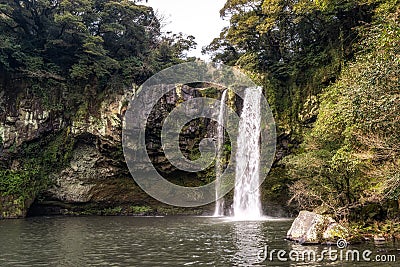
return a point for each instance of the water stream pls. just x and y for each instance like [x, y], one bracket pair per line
[246, 201]
[219, 201]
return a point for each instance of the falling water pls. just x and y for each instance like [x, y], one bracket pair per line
[219, 201]
[246, 201]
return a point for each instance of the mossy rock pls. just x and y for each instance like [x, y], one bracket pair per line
[312, 228]
[13, 207]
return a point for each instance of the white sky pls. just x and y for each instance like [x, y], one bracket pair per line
[199, 18]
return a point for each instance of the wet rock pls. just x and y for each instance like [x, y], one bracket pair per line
[313, 228]
[14, 207]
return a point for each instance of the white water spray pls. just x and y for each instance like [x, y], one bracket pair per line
[219, 201]
[246, 201]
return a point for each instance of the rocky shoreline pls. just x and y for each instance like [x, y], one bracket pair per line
[310, 228]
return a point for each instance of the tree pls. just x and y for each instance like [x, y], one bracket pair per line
[354, 146]
[88, 40]
[296, 48]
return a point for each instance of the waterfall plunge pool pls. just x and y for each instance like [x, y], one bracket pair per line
[156, 241]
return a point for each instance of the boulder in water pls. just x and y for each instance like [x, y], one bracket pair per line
[312, 228]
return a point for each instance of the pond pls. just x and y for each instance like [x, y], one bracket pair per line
[170, 241]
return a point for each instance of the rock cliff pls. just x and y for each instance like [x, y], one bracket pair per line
[78, 153]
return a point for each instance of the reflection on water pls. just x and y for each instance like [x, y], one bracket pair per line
[248, 239]
[138, 241]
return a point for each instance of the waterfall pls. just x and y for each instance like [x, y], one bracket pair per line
[219, 164]
[246, 201]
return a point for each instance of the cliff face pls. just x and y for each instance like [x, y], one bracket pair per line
[78, 154]
[65, 157]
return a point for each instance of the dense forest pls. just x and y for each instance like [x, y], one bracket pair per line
[86, 40]
[330, 70]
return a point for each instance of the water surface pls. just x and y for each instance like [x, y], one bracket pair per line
[154, 241]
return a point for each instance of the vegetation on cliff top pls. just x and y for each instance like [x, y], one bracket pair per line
[86, 40]
[293, 48]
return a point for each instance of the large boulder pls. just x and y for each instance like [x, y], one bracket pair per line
[313, 228]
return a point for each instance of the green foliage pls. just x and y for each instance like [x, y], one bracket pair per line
[112, 211]
[293, 48]
[22, 183]
[171, 50]
[37, 160]
[140, 209]
[350, 157]
[387, 229]
[87, 40]
[49, 153]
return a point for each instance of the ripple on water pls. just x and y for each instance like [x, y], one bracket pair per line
[133, 241]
